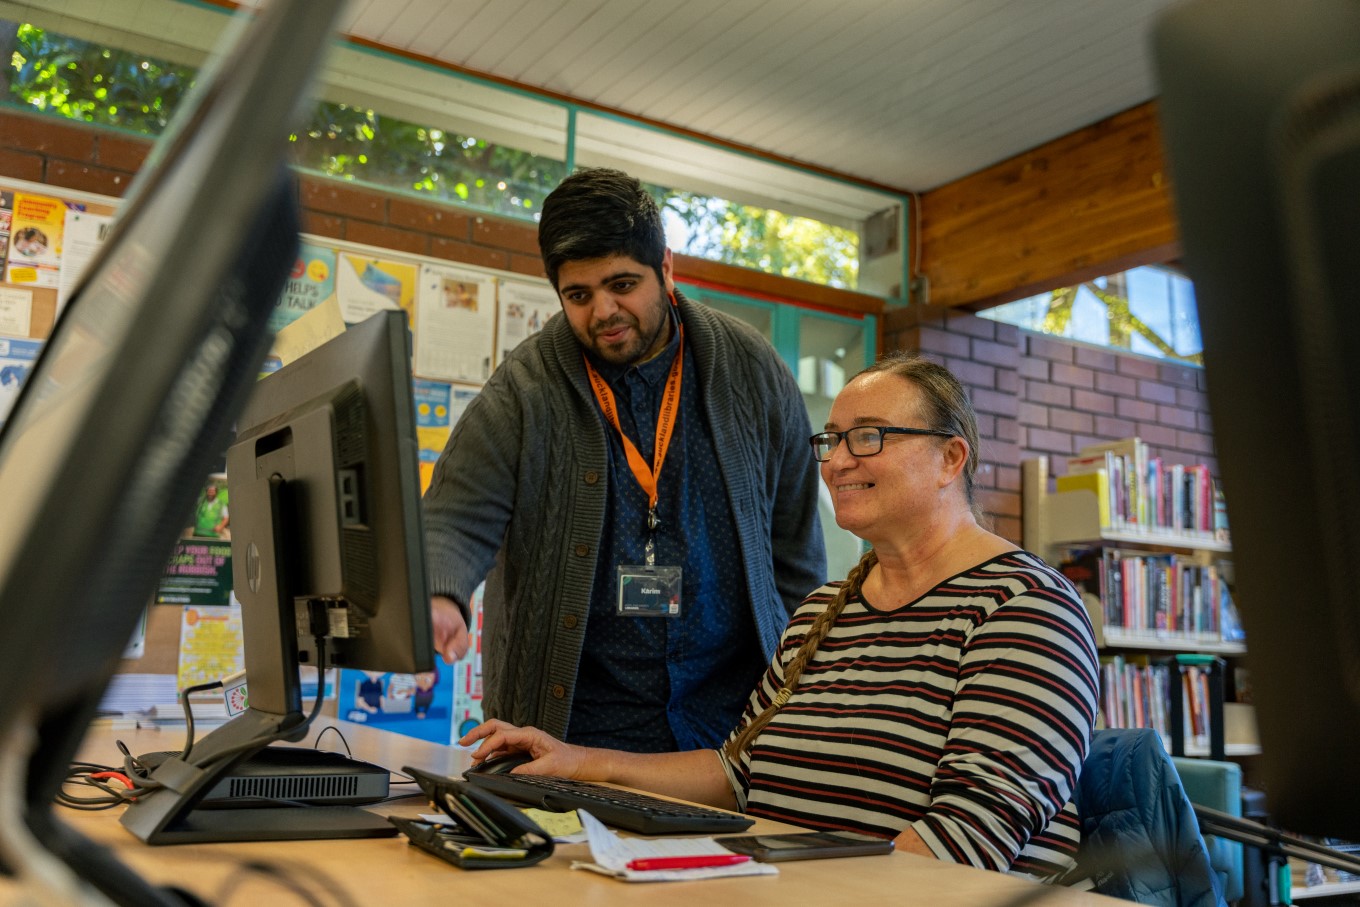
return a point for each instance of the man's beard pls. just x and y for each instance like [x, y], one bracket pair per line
[636, 347]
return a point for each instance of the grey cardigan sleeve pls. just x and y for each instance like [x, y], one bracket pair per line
[472, 494]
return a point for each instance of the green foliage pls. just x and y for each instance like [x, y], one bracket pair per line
[765, 239]
[98, 85]
[75, 79]
[359, 144]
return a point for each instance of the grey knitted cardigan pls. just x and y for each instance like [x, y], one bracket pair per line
[519, 497]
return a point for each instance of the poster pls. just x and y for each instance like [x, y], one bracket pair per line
[439, 406]
[35, 238]
[212, 516]
[433, 424]
[6, 214]
[365, 285]
[16, 311]
[198, 573]
[467, 693]
[83, 233]
[312, 328]
[311, 282]
[455, 324]
[16, 361]
[417, 705]
[211, 644]
[523, 309]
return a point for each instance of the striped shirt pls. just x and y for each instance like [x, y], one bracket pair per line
[964, 715]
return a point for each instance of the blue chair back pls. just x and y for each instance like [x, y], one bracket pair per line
[1140, 838]
[1217, 785]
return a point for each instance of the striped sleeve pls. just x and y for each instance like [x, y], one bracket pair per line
[1022, 717]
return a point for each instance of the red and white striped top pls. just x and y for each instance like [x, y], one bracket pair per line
[964, 715]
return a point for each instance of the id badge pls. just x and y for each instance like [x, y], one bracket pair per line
[649, 591]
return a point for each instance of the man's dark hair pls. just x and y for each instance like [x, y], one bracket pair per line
[597, 213]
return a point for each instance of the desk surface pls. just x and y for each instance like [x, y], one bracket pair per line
[387, 871]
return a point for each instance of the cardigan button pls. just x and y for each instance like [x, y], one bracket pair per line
[569, 621]
[582, 550]
[592, 477]
[559, 691]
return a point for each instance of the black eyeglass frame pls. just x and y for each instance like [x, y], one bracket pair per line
[881, 429]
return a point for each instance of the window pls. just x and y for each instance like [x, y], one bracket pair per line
[416, 128]
[1148, 310]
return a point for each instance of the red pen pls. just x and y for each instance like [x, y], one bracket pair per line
[695, 862]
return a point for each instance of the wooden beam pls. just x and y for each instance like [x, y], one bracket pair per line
[1092, 202]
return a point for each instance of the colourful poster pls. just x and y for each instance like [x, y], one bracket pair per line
[211, 644]
[417, 705]
[433, 423]
[6, 214]
[35, 240]
[445, 405]
[16, 361]
[311, 282]
[365, 285]
[467, 693]
[199, 573]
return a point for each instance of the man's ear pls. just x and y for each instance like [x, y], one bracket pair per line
[668, 271]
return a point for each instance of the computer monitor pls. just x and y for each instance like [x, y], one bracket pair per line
[1260, 103]
[127, 410]
[328, 563]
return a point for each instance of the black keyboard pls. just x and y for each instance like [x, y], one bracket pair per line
[631, 811]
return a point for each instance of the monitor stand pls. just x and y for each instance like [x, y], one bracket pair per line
[171, 813]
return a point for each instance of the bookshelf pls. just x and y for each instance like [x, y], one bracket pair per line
[1153, 591]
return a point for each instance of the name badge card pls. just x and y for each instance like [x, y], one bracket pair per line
[649, 591]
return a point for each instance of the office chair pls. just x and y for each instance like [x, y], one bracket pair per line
[1140, 837]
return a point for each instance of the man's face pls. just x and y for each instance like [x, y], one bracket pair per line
[616, 306]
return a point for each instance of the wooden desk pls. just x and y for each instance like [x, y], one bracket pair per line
[390, 873]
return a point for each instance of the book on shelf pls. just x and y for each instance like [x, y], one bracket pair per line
[1128, 478]
[1097, 481]
[1153, 596]
[1143, 494]
[1136, 691]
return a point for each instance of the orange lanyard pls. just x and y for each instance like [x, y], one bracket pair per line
[665, 425]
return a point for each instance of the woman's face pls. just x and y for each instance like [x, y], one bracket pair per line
[905, 480]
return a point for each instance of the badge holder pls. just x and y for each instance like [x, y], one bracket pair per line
[489, 833]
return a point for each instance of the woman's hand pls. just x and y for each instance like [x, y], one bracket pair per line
[550, 755]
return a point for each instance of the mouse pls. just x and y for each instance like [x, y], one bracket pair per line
[499, 765]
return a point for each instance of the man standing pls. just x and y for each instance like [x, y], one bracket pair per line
[637, 480]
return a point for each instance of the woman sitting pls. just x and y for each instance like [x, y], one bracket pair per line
[942, 695]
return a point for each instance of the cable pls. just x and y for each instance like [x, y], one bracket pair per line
[189, 713]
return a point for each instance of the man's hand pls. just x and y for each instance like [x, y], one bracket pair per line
[451, 638]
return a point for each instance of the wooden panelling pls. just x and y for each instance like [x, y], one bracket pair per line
[687, 267]
[1090, 203]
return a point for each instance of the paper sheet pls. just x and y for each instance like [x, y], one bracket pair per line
[613, 854]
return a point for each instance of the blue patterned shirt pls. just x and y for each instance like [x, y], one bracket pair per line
[659, 684]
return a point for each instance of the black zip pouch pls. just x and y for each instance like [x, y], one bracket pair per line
[488, 832]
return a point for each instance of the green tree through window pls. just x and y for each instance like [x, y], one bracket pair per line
[115, 88]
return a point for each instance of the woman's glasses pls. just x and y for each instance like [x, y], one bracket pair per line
[863, 440]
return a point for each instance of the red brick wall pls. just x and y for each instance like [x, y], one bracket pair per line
[1038, 395]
